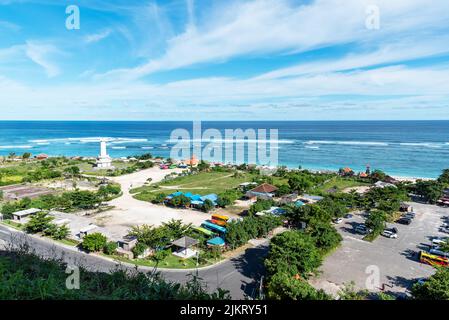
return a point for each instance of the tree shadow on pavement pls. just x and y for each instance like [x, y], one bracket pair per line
[351, 229]
[401, 282]
[410, 254]
[251, 265]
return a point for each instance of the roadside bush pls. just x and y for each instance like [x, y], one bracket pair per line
[27, 277]
[94, 242]
[57, 232]
[110, 247]
[139, 249]
[39, 222]
[283, 286]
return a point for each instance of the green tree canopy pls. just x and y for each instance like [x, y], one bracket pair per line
[283, 286]
[39, 222]
[435, 288]
[292, 252]
[94, 242]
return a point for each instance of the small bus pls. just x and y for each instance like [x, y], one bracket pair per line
[433, 260]
[219, 219]
[213, 227]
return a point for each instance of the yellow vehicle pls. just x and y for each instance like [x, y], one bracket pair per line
[219, 219]
[433, 260]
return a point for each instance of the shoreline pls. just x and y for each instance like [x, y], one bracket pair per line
[399, 177]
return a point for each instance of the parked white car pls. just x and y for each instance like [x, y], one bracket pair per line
[390, 234]
[338, 220]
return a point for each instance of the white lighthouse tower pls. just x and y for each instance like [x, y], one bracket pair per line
[104, 161]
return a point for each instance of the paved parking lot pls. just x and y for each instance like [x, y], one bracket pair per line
[396, 259]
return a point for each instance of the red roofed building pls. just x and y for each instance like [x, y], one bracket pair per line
[41, 156]
[264, 191]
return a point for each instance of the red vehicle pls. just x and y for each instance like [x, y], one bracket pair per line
[218, 222]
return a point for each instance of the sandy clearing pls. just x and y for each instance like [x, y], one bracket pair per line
[129, 212]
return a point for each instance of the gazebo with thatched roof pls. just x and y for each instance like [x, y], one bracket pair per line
[185, 243]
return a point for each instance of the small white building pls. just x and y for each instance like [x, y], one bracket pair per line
[87, 230]
[382, 184]
[20, 215]
[127, 243]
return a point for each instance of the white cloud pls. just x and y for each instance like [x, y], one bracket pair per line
[11, 53]
[388, 53]
[40, 54]
[92, 38]
[10, 26]
[389, 89]
[278, 26]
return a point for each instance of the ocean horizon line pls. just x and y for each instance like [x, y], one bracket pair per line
[231, 120]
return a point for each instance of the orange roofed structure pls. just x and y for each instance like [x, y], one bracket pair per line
[42, 156]
[192, 161]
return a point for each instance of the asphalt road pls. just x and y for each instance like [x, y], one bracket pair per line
[240, 275]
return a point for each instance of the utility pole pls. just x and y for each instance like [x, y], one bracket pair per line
[261, 295]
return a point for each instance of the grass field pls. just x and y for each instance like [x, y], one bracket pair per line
[338, 183]
[201, 183]
[88, 168]
[13, 173]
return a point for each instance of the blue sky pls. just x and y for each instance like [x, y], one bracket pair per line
[225, 60]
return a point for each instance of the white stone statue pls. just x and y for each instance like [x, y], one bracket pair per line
[103, 160]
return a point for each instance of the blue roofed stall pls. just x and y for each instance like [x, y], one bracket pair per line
[217, 241]
[212, 197]
[299, 203]
[196, 197]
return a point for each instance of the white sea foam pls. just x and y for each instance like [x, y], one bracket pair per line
[355, 143]
[422, 144]
[234, 141]
[119, 148]
[312, 147]
[38, 141]
[112, 140]
[147, 148]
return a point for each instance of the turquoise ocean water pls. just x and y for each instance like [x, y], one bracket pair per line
[403, 148]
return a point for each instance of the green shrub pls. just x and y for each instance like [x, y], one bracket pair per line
[39, 222]
[139, 249]
[94, 242]
[110, 247]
